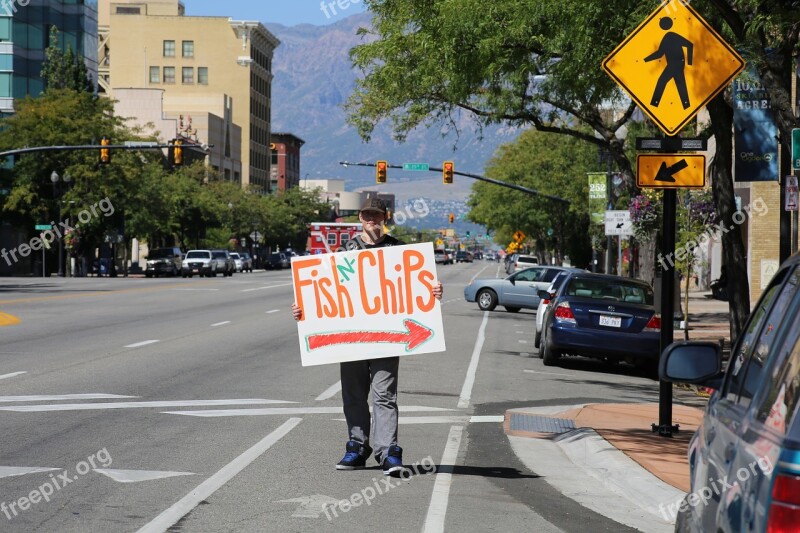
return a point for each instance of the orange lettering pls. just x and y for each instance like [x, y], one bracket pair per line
[365, 257]
[412, 261]
[341, 293]
[423, 278]
[297, 266]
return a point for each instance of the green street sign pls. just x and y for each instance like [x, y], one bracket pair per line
[43, 227]
[415, 166]
[796, 149]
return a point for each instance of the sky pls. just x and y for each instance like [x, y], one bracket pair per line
[286, 12]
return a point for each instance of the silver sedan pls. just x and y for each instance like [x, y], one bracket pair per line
[517, 291]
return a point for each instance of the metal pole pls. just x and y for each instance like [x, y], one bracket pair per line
[609, 206]
[665, 427]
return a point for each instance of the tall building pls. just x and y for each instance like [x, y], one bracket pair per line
[205, 66]
[25, 34]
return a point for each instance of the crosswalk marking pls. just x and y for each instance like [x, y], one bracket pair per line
[288, 411]
[135, 476]
[134, 405]
[8, 471]
[56, 397]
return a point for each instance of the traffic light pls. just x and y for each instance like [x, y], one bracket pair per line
[452, 218]
[467, 234]
[105, 153]
[380, 171]
[176, 156]
[448, 168]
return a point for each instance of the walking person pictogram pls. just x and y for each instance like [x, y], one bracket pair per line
[671, 48]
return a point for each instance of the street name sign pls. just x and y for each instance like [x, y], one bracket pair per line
[43, 227]
[672, 144]
[673, 64]
[415, 166]
[670, 171]
[618, 223]
[796, 149]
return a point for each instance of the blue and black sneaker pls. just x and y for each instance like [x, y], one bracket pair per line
[355, 456]
[393, 463]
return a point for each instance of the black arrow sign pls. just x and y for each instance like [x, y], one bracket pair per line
[665, 173]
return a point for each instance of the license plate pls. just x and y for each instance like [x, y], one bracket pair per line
[611, 321]
[196, 270]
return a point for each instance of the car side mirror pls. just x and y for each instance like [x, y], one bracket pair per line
[693, 362]
[543, 294]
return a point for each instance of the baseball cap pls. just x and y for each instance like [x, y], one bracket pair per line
[374, 204]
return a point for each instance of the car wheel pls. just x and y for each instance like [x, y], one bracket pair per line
[682, 519]
[512, 309]
[549, 356]
[487, 300]
[537, 340]
[148, 275]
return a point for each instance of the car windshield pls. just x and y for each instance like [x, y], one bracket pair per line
[198, 255]
[604, 289]
[532, 260]
[235, 255]
[218, 255]
[159, 254]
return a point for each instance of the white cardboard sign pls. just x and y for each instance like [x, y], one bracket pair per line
[367, 304]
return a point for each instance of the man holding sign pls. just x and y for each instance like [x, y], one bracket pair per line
[342, 293]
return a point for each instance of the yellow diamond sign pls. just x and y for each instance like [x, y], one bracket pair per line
[673, 64]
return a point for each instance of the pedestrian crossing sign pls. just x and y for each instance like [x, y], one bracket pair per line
[673, 64]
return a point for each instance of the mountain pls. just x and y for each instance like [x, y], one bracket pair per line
[312, 80]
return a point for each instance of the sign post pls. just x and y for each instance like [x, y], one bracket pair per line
[671, 65]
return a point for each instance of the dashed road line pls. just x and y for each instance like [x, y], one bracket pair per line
[266, 287]
[220, 323]
[13, 375]
[143, 343]
[434, 519]
[469, 381]
[330, 391]
[135, 405]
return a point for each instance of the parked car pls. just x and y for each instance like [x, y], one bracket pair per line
[247, 262]
[544, 304]
[521, 261]
[277, 261]
[440, 257]
[198, 262]
[518, 291]
[237, 261]
[224, 263]
[463, 257]
[166, 261]
[602, 316]
[744, 459]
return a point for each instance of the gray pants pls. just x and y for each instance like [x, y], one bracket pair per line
[379, 375]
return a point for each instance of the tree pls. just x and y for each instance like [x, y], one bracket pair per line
[527, 63]
[552, 165]
[64, 70]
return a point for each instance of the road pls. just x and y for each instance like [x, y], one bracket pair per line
[134, 404]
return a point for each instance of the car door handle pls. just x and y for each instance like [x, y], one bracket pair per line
[711, 433]
[730, 450]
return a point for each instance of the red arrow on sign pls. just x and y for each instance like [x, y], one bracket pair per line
[414, 335]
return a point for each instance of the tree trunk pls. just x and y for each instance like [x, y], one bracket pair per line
[733, 248]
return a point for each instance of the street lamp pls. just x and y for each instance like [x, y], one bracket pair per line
[58, 193]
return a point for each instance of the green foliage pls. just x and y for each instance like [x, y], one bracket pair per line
[64, 70]
[550, 164]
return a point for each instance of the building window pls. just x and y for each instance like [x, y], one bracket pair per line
[169, 48]
[129, 10]
[155, 74]
[169, 74]
[202, 75]
[188, 48]
[187, 75]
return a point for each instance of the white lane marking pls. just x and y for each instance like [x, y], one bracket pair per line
[524, 354]
[521, 341]
[220, 323]
[138, 344]
[13, 375]
[55, 397]
[272, 311]
[266, 287]
[133, 405]
[469, 381]
[478, 274]
[289, 411]
[8, 471]
[204, 490]
[434, 520]
[195, 289]
[547, 373]
[521, 332]
[487, 418]
[134, 476]
[330, 391]
[310, 506]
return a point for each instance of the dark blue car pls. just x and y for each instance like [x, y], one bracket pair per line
[604, 317]
[744, 459]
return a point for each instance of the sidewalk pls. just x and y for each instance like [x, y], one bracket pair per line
[599, 453]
